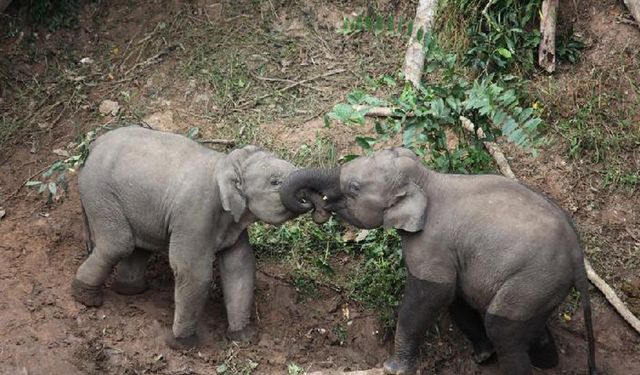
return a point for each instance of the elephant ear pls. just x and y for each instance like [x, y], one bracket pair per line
[408, 212]
[231, 181]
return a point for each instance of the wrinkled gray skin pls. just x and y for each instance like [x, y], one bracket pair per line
[498, 255]
[145, 191]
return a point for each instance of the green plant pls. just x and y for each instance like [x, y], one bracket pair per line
[568, 48]
[379, 279]
[423, 115]
[340, 330]
[293, 369]
[54, 183]
[501, 36]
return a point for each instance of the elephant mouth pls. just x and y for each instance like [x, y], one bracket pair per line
[316, 202]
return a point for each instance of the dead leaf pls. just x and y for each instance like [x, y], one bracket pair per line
[61, 152]
[2, 213]
[362, 235]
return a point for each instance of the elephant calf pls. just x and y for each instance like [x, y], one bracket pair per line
[144, 190]
[498, 255]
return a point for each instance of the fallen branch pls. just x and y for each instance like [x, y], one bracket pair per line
[228, 142]
[374, 111]
[611, 296]
[10, 196]
[493, 148]
[608, 292]
[547, 50]
[414, 57]
[634, 9]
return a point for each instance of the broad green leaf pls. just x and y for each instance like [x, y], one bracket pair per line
[366, 142]
[53, 189]
[193, 132]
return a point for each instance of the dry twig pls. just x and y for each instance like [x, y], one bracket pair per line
[611, 296]
[493, 148]
[254, 101]
[215, 141]
[10, 196]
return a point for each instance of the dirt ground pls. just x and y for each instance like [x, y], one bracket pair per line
[144, 58]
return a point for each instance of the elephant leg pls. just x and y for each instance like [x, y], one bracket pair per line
[512, 340]
[193, 272]
[130, 273]
[543, 352]
[112, 243]
[238, 273]
[471, 324]
[422, 302]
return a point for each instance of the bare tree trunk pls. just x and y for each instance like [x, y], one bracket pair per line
[414, 57]
[634, 8]
[547, 50]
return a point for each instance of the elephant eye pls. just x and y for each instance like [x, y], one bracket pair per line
[354, 187]
[275, 181]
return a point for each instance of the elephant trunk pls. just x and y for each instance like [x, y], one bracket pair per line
[303, 189]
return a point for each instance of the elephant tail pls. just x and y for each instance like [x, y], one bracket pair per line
[88, 240]
[582, 285]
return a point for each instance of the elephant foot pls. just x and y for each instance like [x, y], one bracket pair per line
[129, 288]
[397, 366]
[181, 343]
[544, 353]
[244, 335]
[87, 295]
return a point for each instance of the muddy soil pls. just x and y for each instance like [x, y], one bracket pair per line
[44, 331]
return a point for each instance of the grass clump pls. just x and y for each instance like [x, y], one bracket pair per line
[379, 279]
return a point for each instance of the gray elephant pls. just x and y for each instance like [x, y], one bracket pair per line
[498, 255]
[144, 190]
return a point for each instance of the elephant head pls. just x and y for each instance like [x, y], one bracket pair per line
[249, 179]
[384, 189]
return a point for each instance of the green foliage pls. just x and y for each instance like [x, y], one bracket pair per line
[53, 13]
[568, 48]
[379, 280]
[53, 183]
[501, 35]
[308, 249]
[305, 246]
[294, 369]
[423, 115]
